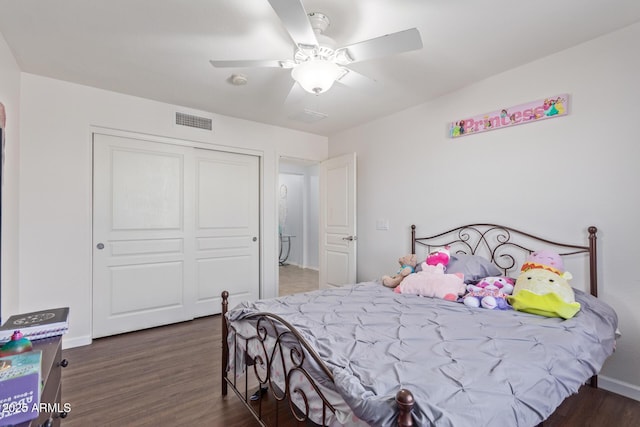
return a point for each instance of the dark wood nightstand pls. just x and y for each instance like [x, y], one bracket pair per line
[52, 364]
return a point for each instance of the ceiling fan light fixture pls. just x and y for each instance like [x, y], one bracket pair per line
[316, 76]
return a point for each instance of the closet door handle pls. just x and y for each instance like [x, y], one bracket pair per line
[350, 238]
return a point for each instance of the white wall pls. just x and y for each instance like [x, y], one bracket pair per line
[10, 97]
[553, 178]
[56, 184]
[312, 235]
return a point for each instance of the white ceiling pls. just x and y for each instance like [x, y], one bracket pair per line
[160, 49]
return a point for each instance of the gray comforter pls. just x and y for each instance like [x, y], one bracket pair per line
[465, 366]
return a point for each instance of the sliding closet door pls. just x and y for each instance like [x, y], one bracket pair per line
[173, 227]
[141, 235]
[226, 228]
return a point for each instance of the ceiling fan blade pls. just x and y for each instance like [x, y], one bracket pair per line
[247, 63]
[356, 80]
[402, 41]
[295, 21]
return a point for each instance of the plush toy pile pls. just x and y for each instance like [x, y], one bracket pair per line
[541, 288]
[490, 292]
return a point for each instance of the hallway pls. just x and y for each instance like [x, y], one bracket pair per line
[294, 279]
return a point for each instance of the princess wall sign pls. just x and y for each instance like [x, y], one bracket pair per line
[548, 108]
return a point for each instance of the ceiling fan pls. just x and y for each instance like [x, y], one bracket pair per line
[317, 63]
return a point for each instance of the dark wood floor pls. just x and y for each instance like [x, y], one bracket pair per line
[166, 376]
[170, 376]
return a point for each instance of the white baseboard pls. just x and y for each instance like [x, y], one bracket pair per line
[306, 267]
[619, 387]
[75, 341]
[290, 263]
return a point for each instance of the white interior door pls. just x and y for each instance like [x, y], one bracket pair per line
[338, 240]
[226, 228]
[173, 227]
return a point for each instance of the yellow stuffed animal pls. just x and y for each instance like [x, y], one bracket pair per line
[543, 288]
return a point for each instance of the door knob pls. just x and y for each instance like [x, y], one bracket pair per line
[100, 246]
[350, 238]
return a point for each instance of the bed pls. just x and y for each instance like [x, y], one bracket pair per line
[362, 354]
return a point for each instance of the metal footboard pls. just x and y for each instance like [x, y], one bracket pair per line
[281, 348]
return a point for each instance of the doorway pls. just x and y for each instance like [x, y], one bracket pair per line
[298, 225]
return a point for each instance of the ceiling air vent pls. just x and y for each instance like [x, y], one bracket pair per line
[308, 116]
[193, 121]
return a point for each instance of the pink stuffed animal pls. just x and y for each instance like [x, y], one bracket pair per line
[439, 256]
[432, 281]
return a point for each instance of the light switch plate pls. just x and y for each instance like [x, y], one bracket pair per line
[382, 224]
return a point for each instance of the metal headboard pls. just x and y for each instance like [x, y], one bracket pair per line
[505, 246]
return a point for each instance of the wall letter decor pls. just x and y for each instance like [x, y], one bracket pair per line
[548, 108]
